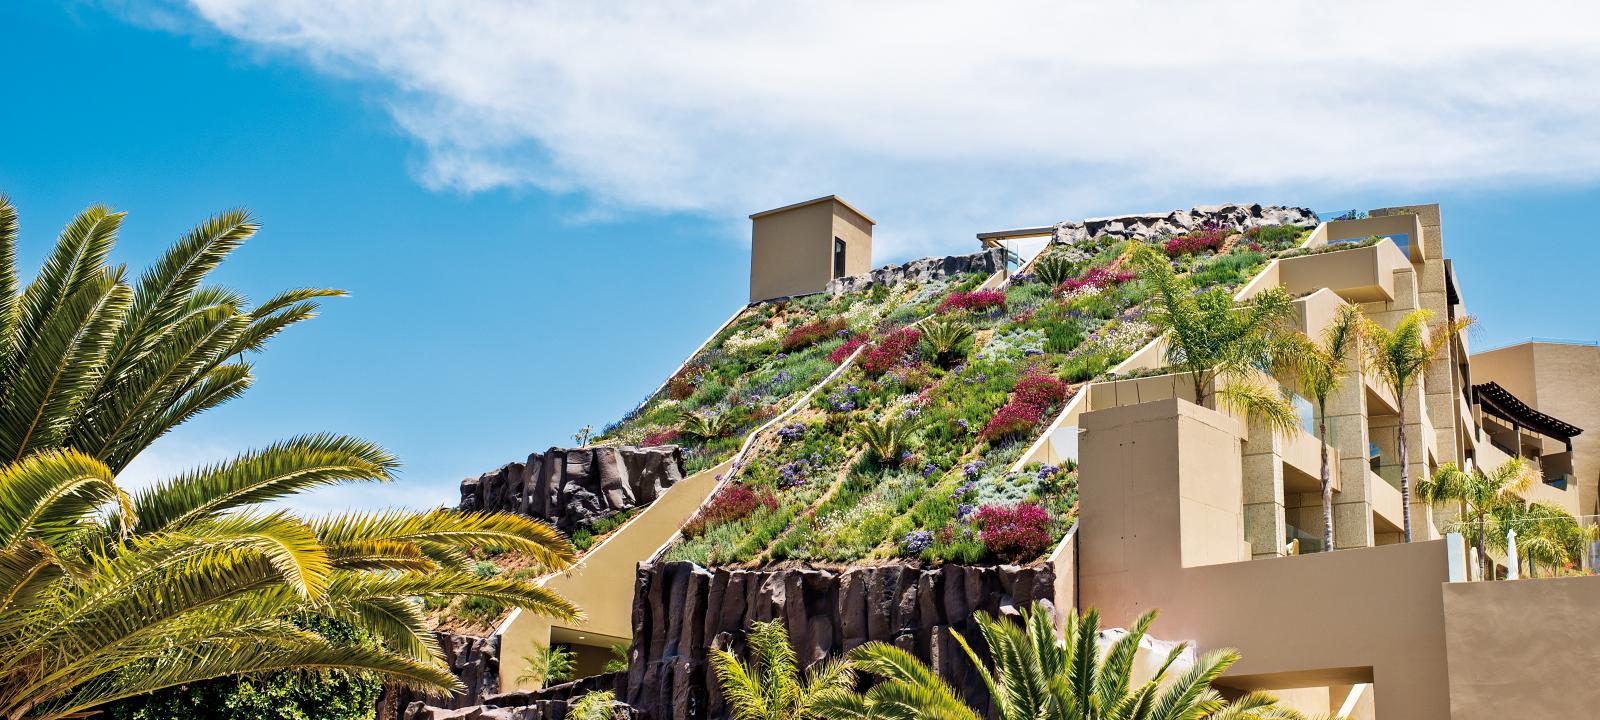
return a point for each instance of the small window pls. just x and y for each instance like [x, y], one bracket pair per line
[838, 258]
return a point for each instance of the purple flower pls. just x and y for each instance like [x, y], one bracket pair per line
[918, 540]
[964, 424]
[905, 455]
[1045, 471]
[963, 510]
[929, 469]
[972, 469]
[793, 431]
[910, 413]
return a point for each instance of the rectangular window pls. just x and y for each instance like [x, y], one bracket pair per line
[838, 258]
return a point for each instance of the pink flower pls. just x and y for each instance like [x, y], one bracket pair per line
[977, 300]
[1015, 532]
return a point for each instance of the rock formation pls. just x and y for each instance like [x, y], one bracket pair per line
[1157, 225]
[681, 610]
[474, 660]
[571, 488]
[921, 271]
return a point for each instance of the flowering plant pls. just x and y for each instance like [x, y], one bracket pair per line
[1209, 237]
[662, 437]
[812, 332]
[975, 300]
[1096, 279]
[1013, 418]
[843, 352]
[1039, 389]
[890, 350]
[733, 502]
[1014, 532]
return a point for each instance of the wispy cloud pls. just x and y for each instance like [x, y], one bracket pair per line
[949, 117]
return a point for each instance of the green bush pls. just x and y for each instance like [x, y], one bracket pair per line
[297, 695]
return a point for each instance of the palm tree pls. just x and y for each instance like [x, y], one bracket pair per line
[1054, 270]
[1319, 368]
[1479, 494]
[1546, 534]
[947, 339]
[1400, 357]
[887, 439]
[770, 686]
[1211, 337]
[1035, 676]
[106, 594]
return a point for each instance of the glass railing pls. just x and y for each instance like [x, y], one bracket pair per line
[1300, 542]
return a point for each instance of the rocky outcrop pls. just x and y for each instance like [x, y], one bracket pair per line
[922, 271]
[681, 610]
[474, 660]
[1157, 225]
[571, 488]
[550, 703]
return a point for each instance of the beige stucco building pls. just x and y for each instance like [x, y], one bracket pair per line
[1218, 523]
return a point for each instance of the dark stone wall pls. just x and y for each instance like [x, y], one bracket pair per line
[571, 488]
[475, 660]
[681, 610]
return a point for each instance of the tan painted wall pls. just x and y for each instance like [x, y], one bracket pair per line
[1358, 274]
[602, 581]
[1523, 649]
[791, 251]
[1160, 527]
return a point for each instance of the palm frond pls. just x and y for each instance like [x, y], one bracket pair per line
[1262, 404]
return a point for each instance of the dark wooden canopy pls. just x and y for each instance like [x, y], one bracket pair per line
[1499, 402]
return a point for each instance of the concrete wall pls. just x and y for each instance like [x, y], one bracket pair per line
[1161, 526]
[1523, 649]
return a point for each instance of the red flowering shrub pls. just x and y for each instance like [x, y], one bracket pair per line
[733, 502]
[665, 437]
[1014, 532]
[976, 300]
[844, 351]
[1039, 389]
[681, 386]
[1099, 278]
[812, 332]
[890, 350]
[1013, 418]
[1209, 238]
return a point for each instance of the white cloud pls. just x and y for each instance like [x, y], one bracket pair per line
[951, 117]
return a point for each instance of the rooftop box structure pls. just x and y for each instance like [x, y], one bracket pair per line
[797, 249]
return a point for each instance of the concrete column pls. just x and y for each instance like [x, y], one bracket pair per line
[1347, 432]
[1263, 492]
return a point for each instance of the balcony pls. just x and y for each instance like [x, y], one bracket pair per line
[1359, 274]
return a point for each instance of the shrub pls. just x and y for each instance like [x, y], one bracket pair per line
[812, 332]
[887, 440]
[947, 340]
[285, 695]
[1054, 270]
[1231, 269]
[1209, 237]
[1038, 389]
[682, 385]
[890, 350]
[708, 426]
[1275, 237]
[975, 300]
[1015, 533]
[662, 437]
[1014, 418]
[1098, 278]
[1087, 366]
[1063, 337]
[548, 665]
[734, 502]
[844, 351]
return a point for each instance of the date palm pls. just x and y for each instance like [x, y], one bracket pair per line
[1211, 337]
[1546, 534]
[1031, 675]
[770, 686]
[1479, 494]
[1400, 357]
[106, 594]
[1319, 367]
[1054, 269]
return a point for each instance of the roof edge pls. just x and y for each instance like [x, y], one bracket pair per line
[814, 201]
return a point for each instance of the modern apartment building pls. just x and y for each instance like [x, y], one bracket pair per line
[1216, 521]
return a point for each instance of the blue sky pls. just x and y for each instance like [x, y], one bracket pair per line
[525, 258]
